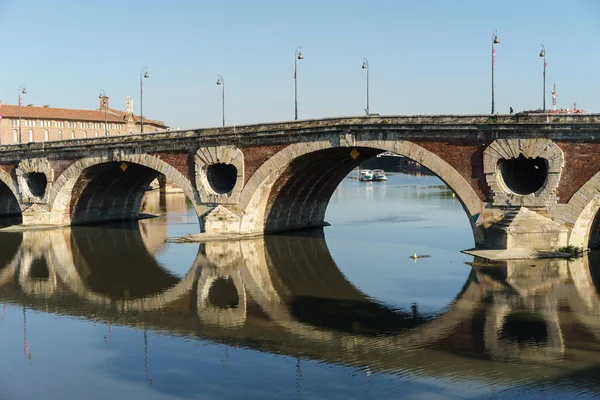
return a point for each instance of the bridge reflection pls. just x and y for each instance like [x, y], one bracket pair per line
[285, 294]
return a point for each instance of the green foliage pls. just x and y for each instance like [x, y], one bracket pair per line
[570, 249]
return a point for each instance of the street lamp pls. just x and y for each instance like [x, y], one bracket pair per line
[221, 82]
[297, 56]
[543, 55]
[143, 74]
[365, 65]
[495, 41]
[22, 90]
[102, 96]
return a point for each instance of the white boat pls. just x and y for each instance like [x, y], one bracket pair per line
[379, 175]
[365, 175]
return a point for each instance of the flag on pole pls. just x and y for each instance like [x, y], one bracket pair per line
[20, 101]
[494, 57]
[142, 86]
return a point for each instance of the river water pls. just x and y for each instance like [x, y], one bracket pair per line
[340, 313]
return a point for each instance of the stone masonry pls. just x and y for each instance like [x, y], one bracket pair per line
[280, 176]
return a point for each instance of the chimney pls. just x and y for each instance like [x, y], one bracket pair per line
[104, 102]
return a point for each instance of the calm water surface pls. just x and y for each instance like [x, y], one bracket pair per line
[340, 313]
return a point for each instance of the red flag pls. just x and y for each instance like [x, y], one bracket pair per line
[20, 101]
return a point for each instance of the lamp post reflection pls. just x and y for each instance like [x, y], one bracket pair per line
[25, 341]
[149, 380]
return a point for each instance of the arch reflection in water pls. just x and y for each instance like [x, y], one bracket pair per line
[285, 294]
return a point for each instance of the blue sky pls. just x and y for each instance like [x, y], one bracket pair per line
[425, 56]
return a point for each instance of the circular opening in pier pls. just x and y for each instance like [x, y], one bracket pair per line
[221, 177]
[223, 294]
[525, 327]
[39, 270]
[523, 175]
[36, 181]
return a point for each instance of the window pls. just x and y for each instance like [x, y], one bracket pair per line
[46, 136]
[59, 135]
[72, 134]
[84, 134]
[96, 134]
[31, 135]
[15, 139]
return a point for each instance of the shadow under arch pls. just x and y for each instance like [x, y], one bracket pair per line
[102, 189]
[10, 207]
[11, 246]
[293, 188]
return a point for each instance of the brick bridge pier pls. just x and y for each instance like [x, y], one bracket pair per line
[525, 181]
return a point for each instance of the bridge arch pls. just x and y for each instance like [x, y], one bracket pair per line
[89, 177]
[585, 206]
[289, 191]
[10, 197]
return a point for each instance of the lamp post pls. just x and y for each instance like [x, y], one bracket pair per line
[22, 90]
[495, 41]
[143, 74]
[365, 65]
[297, 56]
[221, 82]
[102, 96]
[543, 55]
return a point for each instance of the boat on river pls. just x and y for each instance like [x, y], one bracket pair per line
[379, 175]
[365, 175]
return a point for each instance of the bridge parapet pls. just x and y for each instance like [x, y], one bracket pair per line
[280, 176]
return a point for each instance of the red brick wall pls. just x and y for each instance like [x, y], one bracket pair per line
[8, 168]
[466, 157]
[59, 166]
[582, 162]
[254, 157]
[182, 162]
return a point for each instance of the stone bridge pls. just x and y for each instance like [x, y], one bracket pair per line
[525, 181]
[286, 308]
